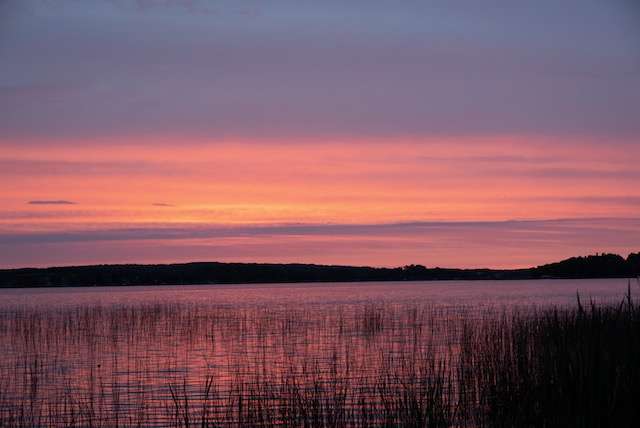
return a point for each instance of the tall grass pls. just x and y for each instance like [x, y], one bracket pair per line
[576, 367]
[412, 365]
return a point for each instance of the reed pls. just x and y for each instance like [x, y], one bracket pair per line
[556, 367]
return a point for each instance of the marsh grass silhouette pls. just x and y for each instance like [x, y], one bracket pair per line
[556, 367]
[188, 365]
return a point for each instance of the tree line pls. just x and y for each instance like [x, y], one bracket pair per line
[594, 266]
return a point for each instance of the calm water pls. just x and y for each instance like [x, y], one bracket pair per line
[153, 356]
[448, 293]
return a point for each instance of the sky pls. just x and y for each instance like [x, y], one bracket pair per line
[446, 133]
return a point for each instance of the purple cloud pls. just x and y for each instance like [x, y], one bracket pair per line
[339, 68]
[51, 202]
[464, 244]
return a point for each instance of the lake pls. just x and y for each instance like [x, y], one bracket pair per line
[328, 354]
[448, 293]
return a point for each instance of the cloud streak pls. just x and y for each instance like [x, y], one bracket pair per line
[493, 243]
[51, 202]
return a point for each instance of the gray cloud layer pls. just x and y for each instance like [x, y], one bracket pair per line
[51, 202]
[494, 244]
[298, 68]
[184, 232]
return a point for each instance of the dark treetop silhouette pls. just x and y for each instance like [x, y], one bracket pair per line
[598, 266]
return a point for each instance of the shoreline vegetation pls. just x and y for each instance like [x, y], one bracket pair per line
[373, 365]
[594, 266]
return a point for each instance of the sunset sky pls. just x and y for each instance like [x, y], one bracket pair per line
[447, 133]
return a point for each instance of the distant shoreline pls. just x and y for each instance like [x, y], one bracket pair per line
[266, 283]
[204, 273]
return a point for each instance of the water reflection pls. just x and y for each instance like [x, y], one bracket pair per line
[248, 355]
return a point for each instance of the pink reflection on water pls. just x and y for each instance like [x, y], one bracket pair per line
[155, 355]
